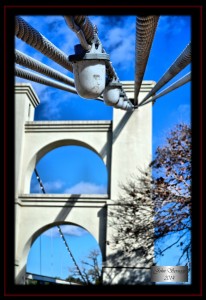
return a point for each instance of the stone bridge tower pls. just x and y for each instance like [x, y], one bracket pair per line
[124, 144]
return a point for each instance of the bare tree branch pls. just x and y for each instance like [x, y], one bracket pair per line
[152, 207]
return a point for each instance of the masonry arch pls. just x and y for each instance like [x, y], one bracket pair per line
[48, 254]
[44, 218]
[65, 142]
[71, 170]
[44, 149]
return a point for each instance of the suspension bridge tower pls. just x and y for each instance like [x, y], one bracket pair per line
[124, 144]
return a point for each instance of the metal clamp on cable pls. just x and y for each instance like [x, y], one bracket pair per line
[71, 23]
[89, 70]
[123, 103]
[115, 96]
[112, 92]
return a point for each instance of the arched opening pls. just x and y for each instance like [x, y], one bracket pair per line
[70, 170]
[64, 254]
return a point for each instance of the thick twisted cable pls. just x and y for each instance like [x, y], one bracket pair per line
[32, 37]
[86, 26]
[89, 32]
[83, 28]
[145, 31]
[71, 23]
[179, 64]
[33, 64]
[40, 79]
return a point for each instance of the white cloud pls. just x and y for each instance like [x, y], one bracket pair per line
[184, 112]
[97, 21]
[50, 187]
[55, 185]
[86, 188]
[181, 115]
[79, 188]
[172, 24]
[55, 29]
[184, 108]
[121, 41]
[67, 230]
[118, 38]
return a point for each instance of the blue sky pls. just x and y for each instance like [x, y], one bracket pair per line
[69, 169]
[49, 257]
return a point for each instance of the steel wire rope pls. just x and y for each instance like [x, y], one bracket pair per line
[178, 65]
[170, 88]
[88, 33]
[33, 64]
[60, 231]
[145, 31]
[22, 73]
[32, 37]
[52, 251]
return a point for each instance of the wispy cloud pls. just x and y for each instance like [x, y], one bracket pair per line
[67, 230]
[50, 187]
[117, 38]
[86, 188]
[55, 29]
[184, 111]
[173, 25]
[119, 41]
[51, 101]
[182, 114]
[58, 186]
[117, 34]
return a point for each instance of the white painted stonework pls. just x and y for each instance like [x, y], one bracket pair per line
[125, 145]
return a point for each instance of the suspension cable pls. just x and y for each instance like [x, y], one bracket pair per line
[70, 253]
[32, 37]
[40, 254]
[86, 32]
[86, 26]
[60, 231]
[79, 32]
[145, 31]
[19, 72]
[90, 31]
[179, 64]
[33, 64]
[172, 87]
